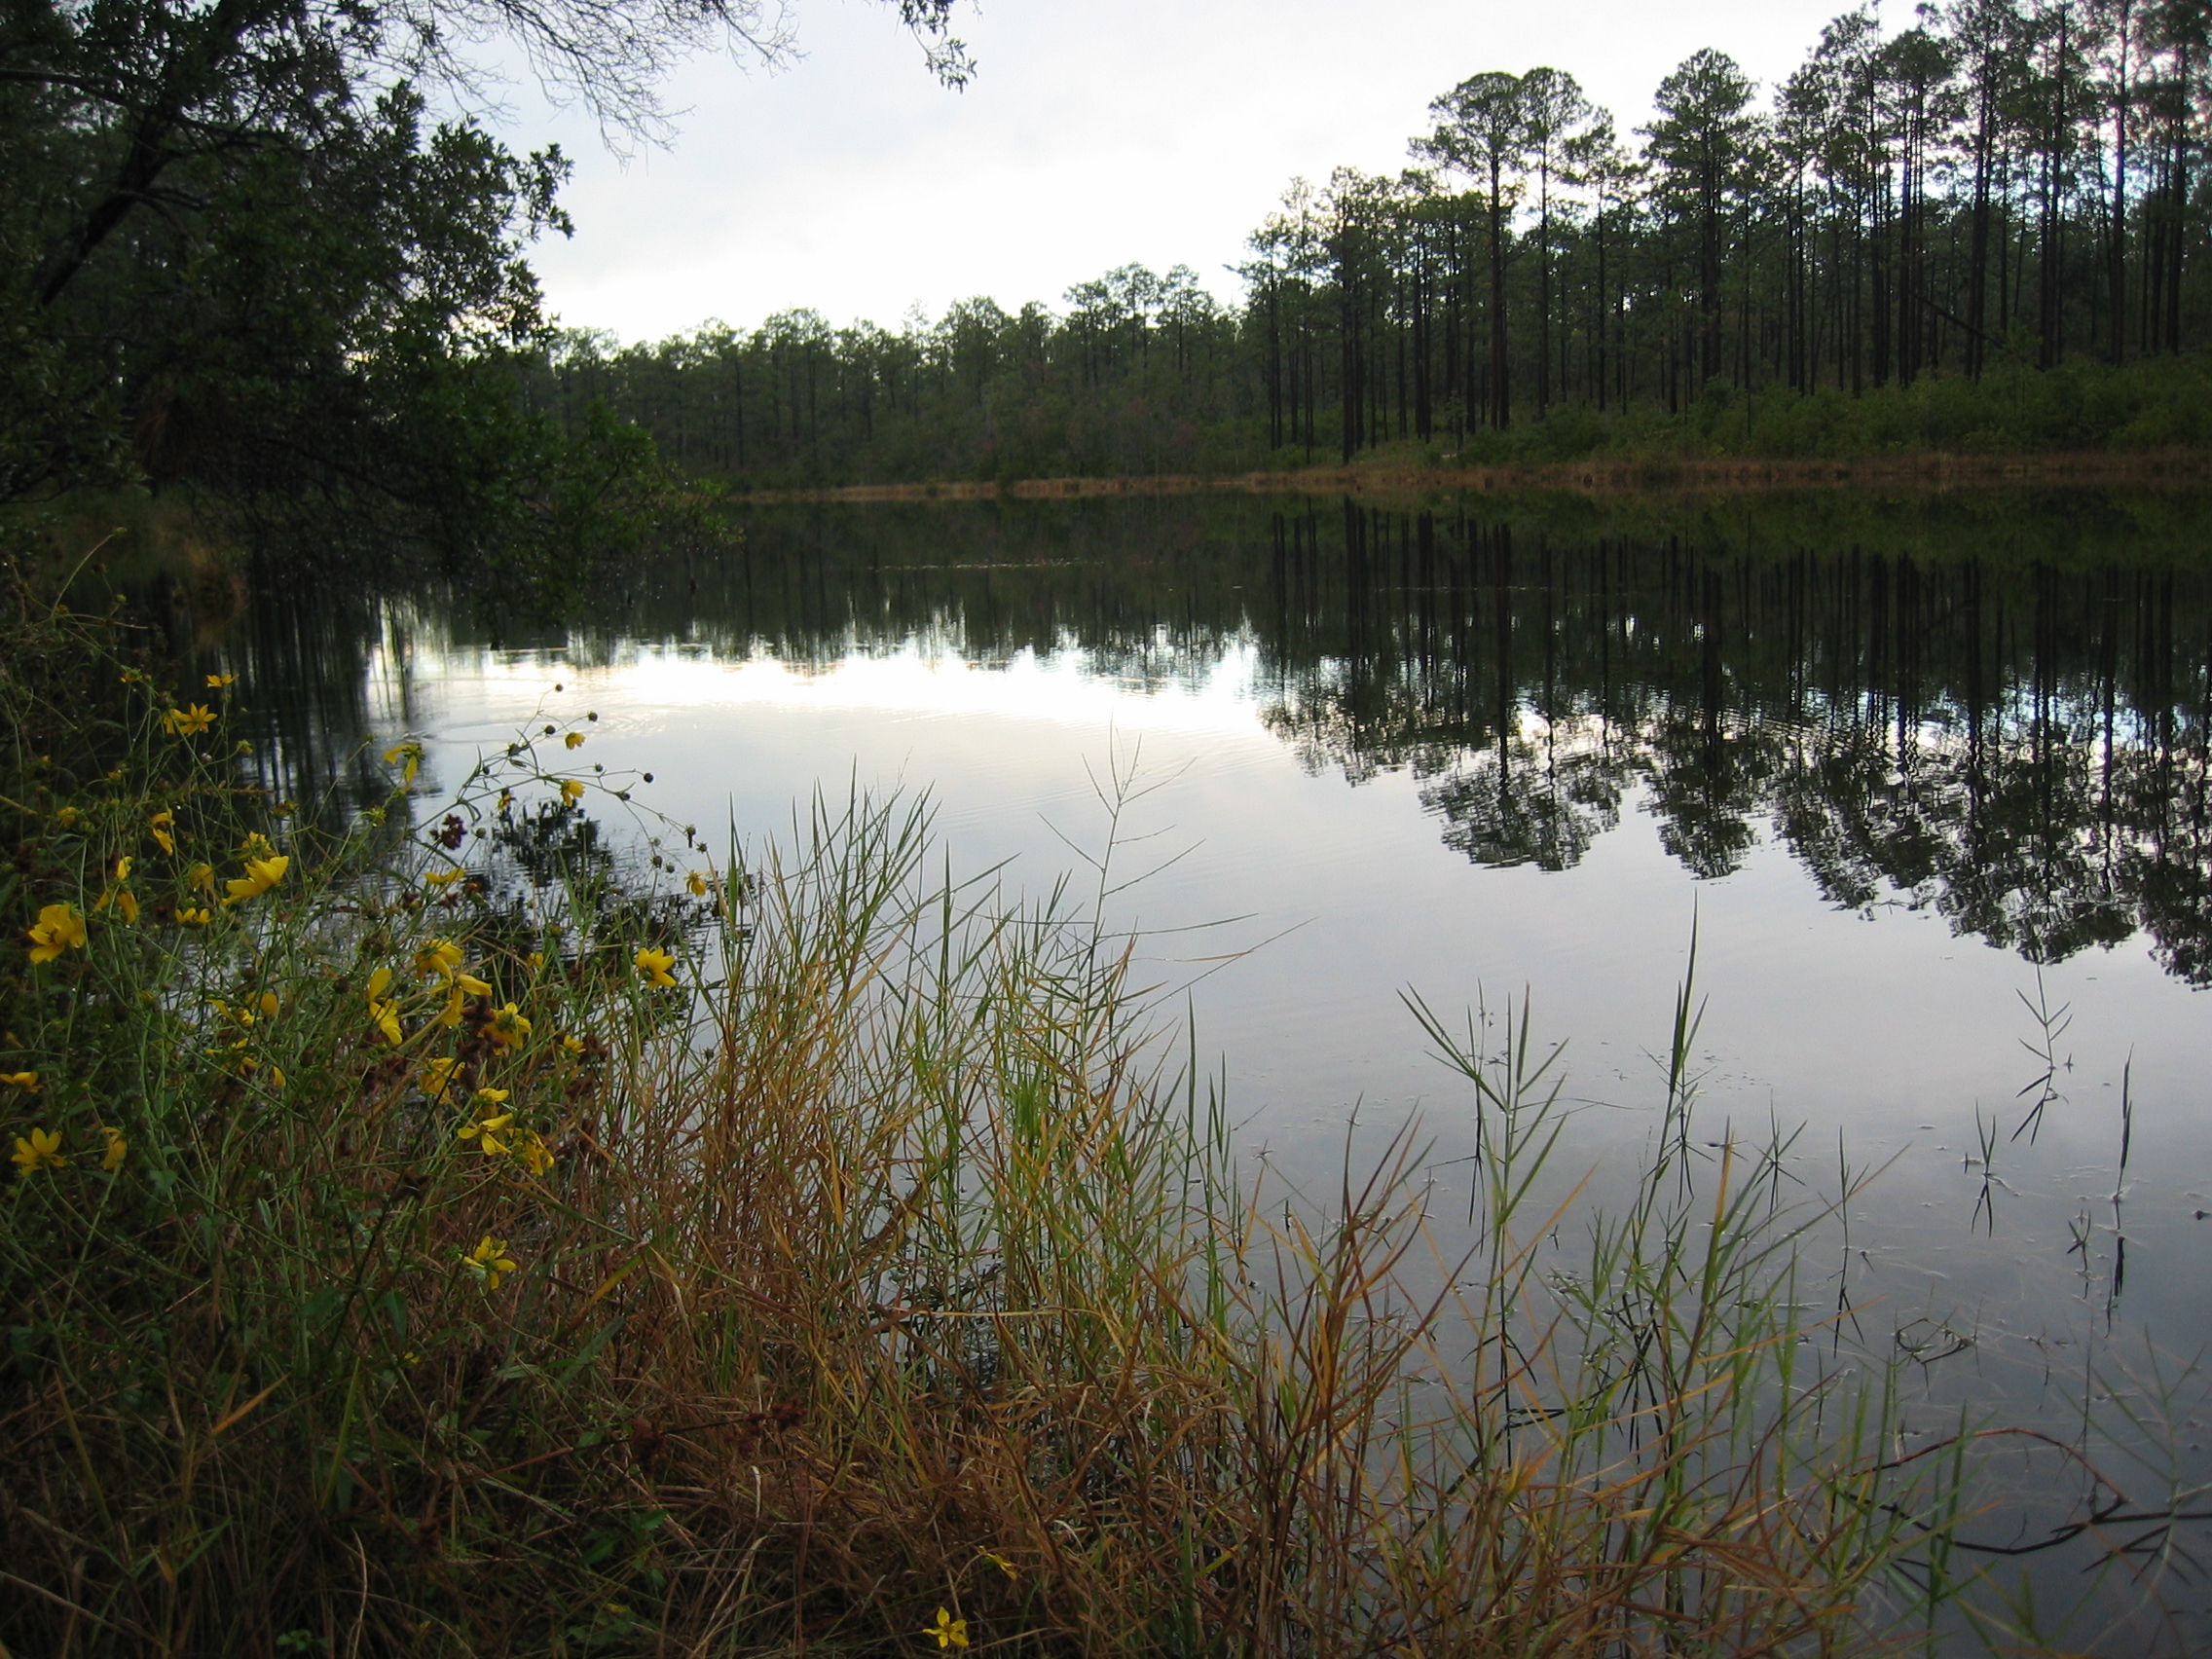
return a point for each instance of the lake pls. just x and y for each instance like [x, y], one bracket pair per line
[1927, 783]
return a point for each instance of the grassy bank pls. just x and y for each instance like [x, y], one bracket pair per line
[1406, 472]
[2083, 422]
[431, 1232]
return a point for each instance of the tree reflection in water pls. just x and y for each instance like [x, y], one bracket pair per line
[2023, 749]
[1989, 710]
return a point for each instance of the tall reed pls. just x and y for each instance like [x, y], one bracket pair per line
[461, 1241]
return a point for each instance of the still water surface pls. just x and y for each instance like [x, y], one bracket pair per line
[1904, 787]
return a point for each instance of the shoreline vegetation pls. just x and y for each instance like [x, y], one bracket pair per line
[443, 1226]
[1933, 471]
[430, 1232]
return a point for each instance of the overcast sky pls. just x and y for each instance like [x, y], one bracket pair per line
[1097, 132]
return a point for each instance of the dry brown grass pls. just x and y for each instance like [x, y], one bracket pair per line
[882, 1267]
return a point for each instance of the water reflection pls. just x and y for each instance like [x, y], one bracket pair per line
[2019, 748]
[2014, 736]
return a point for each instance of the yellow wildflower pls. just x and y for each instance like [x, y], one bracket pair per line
[534, 960]
[26, 1081]
[202, 879]
[409, 758]
[444, 877]
[438, 1077]
[508, 1028]
[193, 918]
[492, 1096]
[1000, 1561]
[450, 1014]
[383, 1011]
[506, 800]
[471, 984]
[58, 928]
[186, 721]
[216, 681]
[534, 1153]
[485, 1128]
[574, 1045]
[66, 817]
[261, 874]
[122, 897]
[277, 1076]
[490, 1262]
[163, 825]
[654, 965]
[948, 1631]
[439, 956]
[575, 740]
[571, 789]
[43, 1151]
[269, 1005]
[117, 1147]
[697, 884]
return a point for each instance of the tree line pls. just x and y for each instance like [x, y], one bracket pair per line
[266, 249]
[1984, 230]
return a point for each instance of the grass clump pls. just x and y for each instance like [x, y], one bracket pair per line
[430, 1234]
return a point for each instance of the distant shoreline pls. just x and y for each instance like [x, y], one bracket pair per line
[1931, 471]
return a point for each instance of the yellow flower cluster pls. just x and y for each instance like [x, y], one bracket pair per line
[441, 960]
[492, 1129]
[235, 1055]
